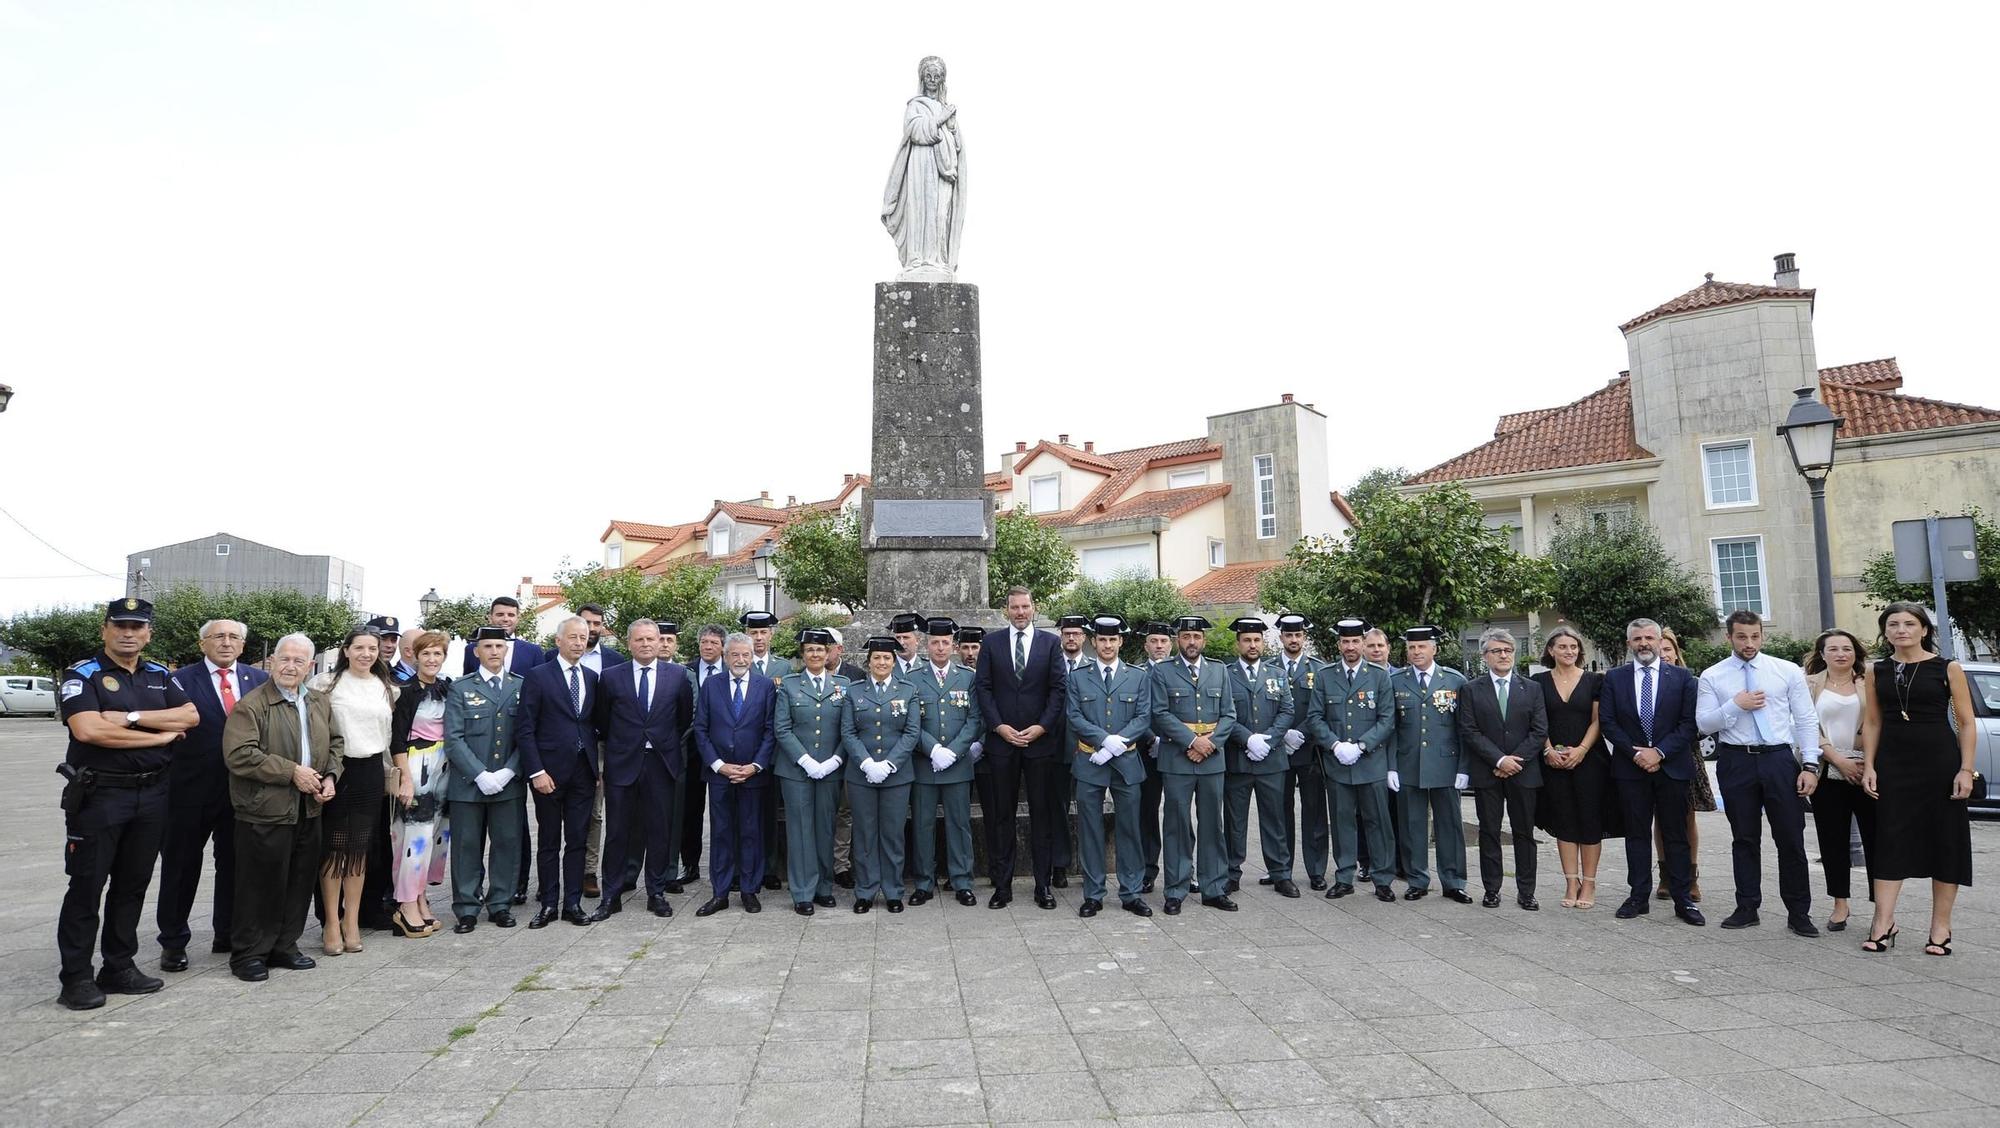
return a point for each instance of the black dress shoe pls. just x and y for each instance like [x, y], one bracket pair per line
[1690, 915]
[545, 916]
[1001, 899]
[894, 906]
[173, 959]
[576, 916]
[1317, 883]
[1285, 888]
[1340, 889]
[1060, 878]
[1802, 925]
[251, 971]
[1232, 886]
[825, 902]
[1529, 903]
[1137, 907]
[803, 908]
[1490, 901]
[590, 886]
[771, 882]
[1223, 902]
[1384, 893]
[967, 897]
[520, 898]
[751, 904]
[844, 879]
[1458, 896]
[861, 906]
[1361, 874]
[501, 918]
[81, 995]
[1091, 907]
[465, 924]
[1416, 894]
[1044, 899]
[1147, 886]
[1266, 880]
[676, 888]
[608, 909]
[292, 961]
[713, 905]
[921, 897]
[1173, 906]
[1635, 905]
[1741, 918]
[658, 906]
[130, 981]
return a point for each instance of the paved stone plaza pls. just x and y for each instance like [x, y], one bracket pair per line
[1299, 1012]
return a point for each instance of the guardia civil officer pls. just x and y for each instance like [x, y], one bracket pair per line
[1429, 772]
[1194, 715]
[1257, 759]
[807, 724]
[123, 712]
[1351, 714]
[881, 733]
[1110, 708]
[1305, 780]
[1072, 634]
[947, 723]
[1159, 648]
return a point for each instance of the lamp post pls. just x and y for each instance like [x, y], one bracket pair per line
[6, 393]
[1808, 431]
[427, 604]
[764, 560]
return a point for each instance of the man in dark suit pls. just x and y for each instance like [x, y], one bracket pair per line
[522, 655]
[557, 735]
[1020, 683]
[1648, 712]
[644, 706]
[198, 794]
[733, 731]
[706, 664]
[1501, 736]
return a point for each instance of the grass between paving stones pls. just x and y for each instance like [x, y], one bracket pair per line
[528, 982]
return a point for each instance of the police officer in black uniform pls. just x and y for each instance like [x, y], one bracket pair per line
[123, 713]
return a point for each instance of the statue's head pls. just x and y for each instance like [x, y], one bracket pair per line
[930, 76]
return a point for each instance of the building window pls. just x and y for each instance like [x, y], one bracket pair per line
[1508, 521]
[1182, 479]
[1045, 494]
[718, 540]
[1118, 560]
[222, 550]
[1729, 478]
[614, 555]
[1739, 574]
[1606, 517]
[1265, 469]
[1215, 553]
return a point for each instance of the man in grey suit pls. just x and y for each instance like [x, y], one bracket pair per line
[484, 786]
[1110, 708]
[1502, 734]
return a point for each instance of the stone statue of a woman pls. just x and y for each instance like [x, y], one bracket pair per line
[924, 204]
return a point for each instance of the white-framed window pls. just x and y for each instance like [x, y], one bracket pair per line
[1106, 563]
[1264, 468]
[1611, 513]
[1216, 557]
[718, 540]
[1182, 479]
[1508, 521]
[222, 550]
[1740, 583]
[1045, 494]
[614, 555]
[746, 593]
[1728, 474]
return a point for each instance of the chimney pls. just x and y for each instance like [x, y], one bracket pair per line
[1787, 276]
[1062, 439]
[764, 498]
[1286, 398]
[1020, 447]
[1090, 446]
[791, 501]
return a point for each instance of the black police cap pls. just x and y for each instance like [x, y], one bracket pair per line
[1248, 624]
[1351, 628]
[907, 623]
[1156, 628]
[883, 644]
[1421, 634]
[1191, 623]
[489, 634]
[815, 636]
[1068, 621]
[972, 634]
[1103, 625]
[128, 610]
[385, 624]
[757, 619]
[1292, 622]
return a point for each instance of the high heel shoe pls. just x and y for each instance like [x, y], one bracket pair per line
[1569, 899]
[330, 942]
[352, 942]
[1881, 943]
[1581, 901]
[1943, 946]
[402, 927]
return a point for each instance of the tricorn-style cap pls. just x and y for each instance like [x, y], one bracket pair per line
[1191, 623]
[490, 634]
[1351, 628]
[882, 643]
[757, 619]
[1421, 634]
[815, 636]
[1101, 625]
[1248, 624]
[1293, 622]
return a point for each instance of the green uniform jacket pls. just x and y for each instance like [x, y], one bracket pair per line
[479, 736]
[772, 666]
[1263, 706]
[1179, 701]
[1304, 675]
[881, 726]
[804, 723]
[947, 716]
[1095, 713]
[260, 744]
[1358, 710]
[1427, 750]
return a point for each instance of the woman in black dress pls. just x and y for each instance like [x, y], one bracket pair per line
[1576, 796]
[1920, 773]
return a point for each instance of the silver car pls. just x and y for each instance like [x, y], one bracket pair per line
[1984, 678]
[24, 694]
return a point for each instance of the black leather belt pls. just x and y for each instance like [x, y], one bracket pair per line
[125, 779]
[1754, 749]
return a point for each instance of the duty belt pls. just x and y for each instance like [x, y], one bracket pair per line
[125, 779]
[1200, 728]
[1083, 749]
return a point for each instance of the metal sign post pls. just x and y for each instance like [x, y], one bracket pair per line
[1939, 550]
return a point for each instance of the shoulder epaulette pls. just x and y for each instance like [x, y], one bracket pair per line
[156, 667]
[86, 667]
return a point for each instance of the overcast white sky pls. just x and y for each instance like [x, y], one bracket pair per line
[263, 265]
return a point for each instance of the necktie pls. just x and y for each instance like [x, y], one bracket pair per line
[575, 692]
[1423, 682]
[494, 683]
[940, 677]
[1020, 651]
[707, 672]
[736, 696]
[1750, 686]
[228, 694]
[1194, 672]
[818, 689]
[646, 688]
[1501, 688]
[1646, 702]
[1107, 679]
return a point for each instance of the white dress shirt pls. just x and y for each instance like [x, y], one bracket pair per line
[1788, 712]
[582, 697]
[1651, 697]
[652, 683]
[215, 680]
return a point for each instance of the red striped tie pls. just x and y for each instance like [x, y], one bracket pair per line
[228, 694]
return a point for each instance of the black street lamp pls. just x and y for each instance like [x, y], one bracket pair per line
[764, 560]
[6, 393]
[1808, 432]
[428, 604]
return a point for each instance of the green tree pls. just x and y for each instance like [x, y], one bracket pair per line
[271, 615]
[819, 560]
[1139, 598]
[57, 636]
[1029, 554]
[1427, 558]
[1373, 483]
[785, 639]
[1610, 572]
[683, 594]
[460, 615]
[1974, 604]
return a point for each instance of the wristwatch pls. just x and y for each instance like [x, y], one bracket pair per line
[132, 719]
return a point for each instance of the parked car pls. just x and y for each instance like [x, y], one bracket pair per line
[22, 694]
[1984, 678]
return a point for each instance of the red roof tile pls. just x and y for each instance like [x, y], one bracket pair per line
[1152, 503]
[1340, 504]
[1075, 456]
[639, 530]
[1883, 375]
[1711, 295]
[1519, 419]
[1230, 584]
[1866, 411]
[1593, 430]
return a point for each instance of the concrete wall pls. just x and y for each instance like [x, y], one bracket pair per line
[249, 566]
[1184, 546]
[1273, 430]
[1889, 478]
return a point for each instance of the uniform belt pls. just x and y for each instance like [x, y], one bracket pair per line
[125, 779]
[1200, 728]
[1083, 749]
[1754, 749]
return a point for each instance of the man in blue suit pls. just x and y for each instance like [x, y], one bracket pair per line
[734, 736]
[1648, 711]
[522, 655]
[1021, 688]
[643, 708]
[198, 794]
[557, 735]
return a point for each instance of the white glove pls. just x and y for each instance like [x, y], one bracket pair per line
[486, 783]
[1346, 752]
[813, 768]
[1100, 757]
[831, 764]
[1294, 739]
[505, 776]
[1460, 782]
[1114, 745]
[1395, 782]
[942, 757]
[875, 770]
[1260, 746]
[977, 750]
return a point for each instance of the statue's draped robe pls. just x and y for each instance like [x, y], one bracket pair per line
[924, 204]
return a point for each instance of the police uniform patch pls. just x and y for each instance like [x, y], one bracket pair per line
[109, 683]
[131, 605]
[71, 689]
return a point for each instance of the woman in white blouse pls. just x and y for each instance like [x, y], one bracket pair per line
[1837, 675]
[363, 700]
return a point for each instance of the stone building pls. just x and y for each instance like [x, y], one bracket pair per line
[225, 562]
[1686, 438]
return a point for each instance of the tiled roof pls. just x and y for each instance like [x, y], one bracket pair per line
[1152, 503]
[548, 591]
[1131, 466]
[1340, 504]
[1519, 419]
[1593, 430]
[1230, 584]
[639, 530]
[999, 480]
[1883, 375]
[1088, 460]
[1711, 295]
[1866, 411]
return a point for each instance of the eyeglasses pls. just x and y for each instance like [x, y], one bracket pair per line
[1499, 650]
